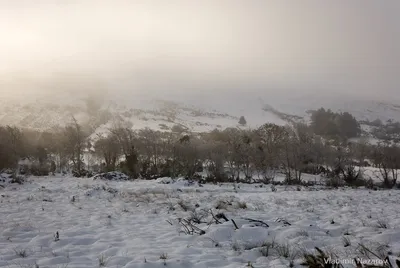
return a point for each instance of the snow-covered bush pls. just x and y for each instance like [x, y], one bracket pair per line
[112, 176]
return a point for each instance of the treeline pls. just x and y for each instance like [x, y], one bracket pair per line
[228, 155]
[390, 131]
[329, 124]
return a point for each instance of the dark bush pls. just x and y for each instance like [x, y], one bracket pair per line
[39, 170]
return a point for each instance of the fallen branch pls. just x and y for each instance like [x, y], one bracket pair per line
[257, 221]
[234, 223]
[216, 220]
[189, 228]
[285, 222]
[221, 216]
[186, 228]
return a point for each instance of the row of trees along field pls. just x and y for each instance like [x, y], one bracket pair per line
[232, 154]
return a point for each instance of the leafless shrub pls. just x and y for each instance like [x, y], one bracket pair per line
[285, 250]
[102, 261]
[382, 223]
[188, 228]
[241, 205]
[236, 246]
[266, 248]
[164, 257]
[56, 236]
[250, 265]
[184, 205]
[320, 259]
[346, 241]
[223, 205]
[125, 210]
[22, 253]
[375, 250]
[198, 217]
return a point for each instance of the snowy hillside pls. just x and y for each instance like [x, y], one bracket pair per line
[141, 111]
[196, 113]
[362, 109]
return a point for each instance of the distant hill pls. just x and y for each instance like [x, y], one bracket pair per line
[197, 115]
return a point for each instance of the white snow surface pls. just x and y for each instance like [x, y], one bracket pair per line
[125, 223]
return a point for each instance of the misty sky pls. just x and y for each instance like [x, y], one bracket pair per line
[261, 46]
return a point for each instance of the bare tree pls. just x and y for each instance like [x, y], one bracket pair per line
[109, 149]
[298, 147]
[58, 142]
[343, 162]
[188, 157]
[247, 154]
[233, 145]
[242, 121]
[75, 140]
[11, 146]
[152, 147]
[387, 158]
[269, 144]
[239, 156]
[127, 138]
[215, 154]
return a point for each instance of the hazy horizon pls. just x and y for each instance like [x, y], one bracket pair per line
[208, 47]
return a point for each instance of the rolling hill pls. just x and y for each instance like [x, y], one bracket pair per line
[195, 113]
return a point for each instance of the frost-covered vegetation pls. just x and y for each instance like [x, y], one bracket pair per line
[231, 155]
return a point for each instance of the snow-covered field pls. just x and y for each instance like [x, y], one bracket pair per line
[135, 224]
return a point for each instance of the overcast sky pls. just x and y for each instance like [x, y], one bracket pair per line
[264, 46]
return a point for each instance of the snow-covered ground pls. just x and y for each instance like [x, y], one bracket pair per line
[135, 224]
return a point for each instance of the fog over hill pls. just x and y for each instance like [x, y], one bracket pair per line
[52, 101]
[227, 56]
